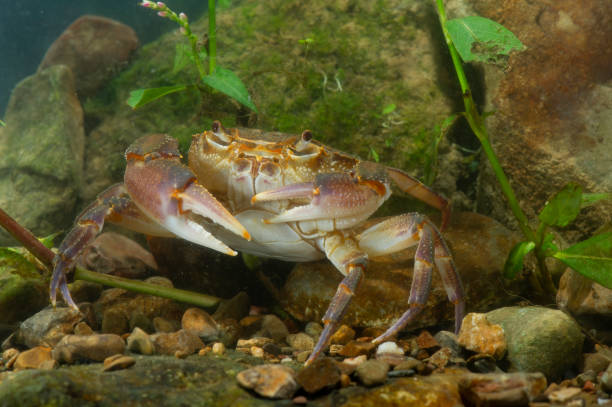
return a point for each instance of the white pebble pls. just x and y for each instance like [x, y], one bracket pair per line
[218, 348]
[389, 348]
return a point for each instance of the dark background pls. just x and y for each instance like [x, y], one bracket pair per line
[28, 27]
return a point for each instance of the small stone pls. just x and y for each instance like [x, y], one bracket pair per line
[257, 351]
[335, 349]
[218, 348]
[48, 364]
[140, 320]
[273, 327]
[345, 380]
[180, 343]
[204, 351]
[83, 329]
[257, 341]
[235, 308]
[564, 395]
[597, 362]
[343, 335]
[300, 400]
[201, 323]
[163, 325]
[118, 362]
[269, 380]
[313, 329]
[481, 336]
[389, 348]
[448, 339]
[606, 379]
[349, 365]
[115, 322]
[9, 354]
[372, 372]
[95, 347]
[47, 327]
[321, 374]
[496, 389]
[410, 363]
[140, 342]
[301, 356]
[286, 360]
[32, 358]
[355, 348]
[300, 341]
[426, 341]
[441, 357]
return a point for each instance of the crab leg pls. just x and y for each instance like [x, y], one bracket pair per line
[416, 188]
[401, 232]
[114, 205]
[351, 261]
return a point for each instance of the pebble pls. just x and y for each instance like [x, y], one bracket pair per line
[180, 343]
[47, 327]
[596, 362]
[441, 357]
[410, 363]
[257, 351]
[343, 335]
[118, 362]
[140, 342]
[509, 389]
[32, 358]
[390, 353]
[273, 327]
[163, 325]
[235, 308]
[269, 380]
[448, 339]
[272, 349]
[313, 329]
[606, 379]
[218, 348]
[426, 341]
[321, 374]
[301, 356]
[114, 321]
[355, 348]
[372, 372]
[564, 395]
[257, 341]
[300, 341]
[200, 323]
[97, 347]
[140, 320]
[83, 329]
[335, 349]
[9, 354]
[479, 335]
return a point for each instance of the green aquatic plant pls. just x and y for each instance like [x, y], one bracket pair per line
[479, 39]
[217, 78]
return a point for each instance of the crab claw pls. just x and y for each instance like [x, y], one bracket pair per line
[167, 192]
[336, 196]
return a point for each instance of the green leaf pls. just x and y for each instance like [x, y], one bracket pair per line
[590, 199]
[389, 108]
[141, 97]
[181, 57]
[548, 244]
[374, 155]
[514, 262]
[592, 258]
[47, 241]
[480, 39]
[2, 123]
[563, 207]
[227, 82]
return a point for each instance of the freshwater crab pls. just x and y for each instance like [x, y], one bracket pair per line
[287, 197]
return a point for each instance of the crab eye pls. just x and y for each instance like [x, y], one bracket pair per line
[303, 144]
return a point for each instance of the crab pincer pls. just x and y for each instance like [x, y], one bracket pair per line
[160, 196]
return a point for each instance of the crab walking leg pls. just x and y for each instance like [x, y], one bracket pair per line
[113, 205]
[351, 262]
[450, 278]
[416, 188]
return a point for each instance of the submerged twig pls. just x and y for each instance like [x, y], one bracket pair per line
[45, 255]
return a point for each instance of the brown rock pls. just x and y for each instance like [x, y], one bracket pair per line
[118, 362]
[271, 381]
[47, 327]
[140, 342]
[355, 348]
[95, 347]
[115, 321]
[300, 341]
[184, 342]
[83, 329]
[321, 374]
[479, 335]
[309, 287]
[343, 335]
[163, 325]
[512, 389]
[200, 323]
[95, 49]
[273, 327]
[236, 307]
[426, 341]
[258, 341]
[32, 358]
[583, 297]
[372, 372]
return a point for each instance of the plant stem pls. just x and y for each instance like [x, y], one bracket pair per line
[477, 125]
[45, 255]
[212, 37]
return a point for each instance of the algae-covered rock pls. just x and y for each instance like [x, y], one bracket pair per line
[41, 152]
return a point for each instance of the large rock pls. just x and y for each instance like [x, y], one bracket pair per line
[553, 106]
[95, 49]
[41, 152]
[480, 246]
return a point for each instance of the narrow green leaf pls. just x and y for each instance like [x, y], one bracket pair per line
[227, 82]
[480, 39]
[563, 207]
[2, 123]
[592, 258]
[389, 108]
[181, 57]
[374, 155]
[514, 262]
[141, 97]
[47, 241]
[590, 199]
